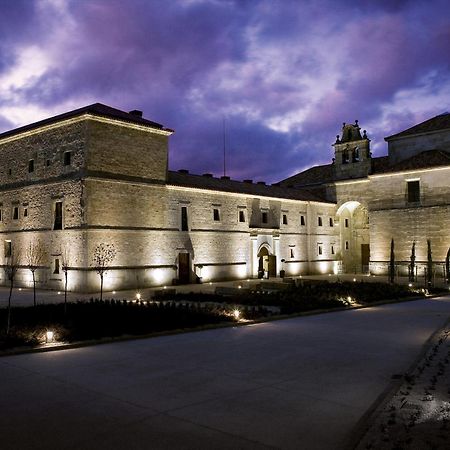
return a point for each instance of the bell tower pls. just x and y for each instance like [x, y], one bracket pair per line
[352, 157]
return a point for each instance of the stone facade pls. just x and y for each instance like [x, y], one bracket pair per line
[403, 196]
[99, 176]
[106, 172]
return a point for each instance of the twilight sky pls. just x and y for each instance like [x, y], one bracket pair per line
[282, 74]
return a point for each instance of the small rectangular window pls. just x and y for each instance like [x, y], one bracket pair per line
[184, 218]
[264, 217]
[8, 248]
[346, 245]
[346, 223]
[216, 215]
[15, 214]
[332, 249]
[9, 172]
[47, 163]
[413, 191]
[285, 219]
[302, 221]
[291, 251]
[319, 221]
[319, 249]
[241, 216]
[57, 223]
[331, 222]
[31, 166]
[25, 212]
[56, 268]
[67, 158]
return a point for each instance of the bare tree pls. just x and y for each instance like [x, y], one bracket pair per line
[65, 264]
[104, 255]
[35, 257]
[429, 264]
[12, 263]
[412, 266]
[447, 266]
[392, 263]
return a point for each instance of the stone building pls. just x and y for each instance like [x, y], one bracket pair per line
[98, 175]
[403, 196]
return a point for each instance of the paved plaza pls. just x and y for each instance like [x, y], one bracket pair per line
[301, 383]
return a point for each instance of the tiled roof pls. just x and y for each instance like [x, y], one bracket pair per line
[424, 160]
[227, 185]
[325, 174]
[96, 109]
[314, 175]
[437, 123]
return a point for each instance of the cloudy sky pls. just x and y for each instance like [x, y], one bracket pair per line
[281, 74]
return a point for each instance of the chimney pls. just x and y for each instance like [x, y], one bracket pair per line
[136, 113]
[248, 181]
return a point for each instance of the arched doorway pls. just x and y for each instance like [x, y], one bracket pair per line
[267, 263]
[355, 239]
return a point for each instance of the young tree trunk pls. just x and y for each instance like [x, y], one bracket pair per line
[392, 263]
[9, 306]
[34, 289]
[65, 292]
[101, 287]
[429, 264]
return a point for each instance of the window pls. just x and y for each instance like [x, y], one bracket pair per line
[332, 249]
[331, 222]
[285, 222]
[241, 216]
[184, 218]
[8, 248]
[57, 223]
[47, 163]
[25, 212]
[15, 213]
[346, 245]
[56, 267]
[302, 221]
[319, 221]
[9, 172]
[291, 251]
[264, 217]
[67, 158]
[216, 215]
[413, 191]
[319, 249]
[31, 166]
[346, 223]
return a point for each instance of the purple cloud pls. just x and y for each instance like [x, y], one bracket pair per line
[284, 78]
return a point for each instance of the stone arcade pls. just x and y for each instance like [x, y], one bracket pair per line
[99, 175]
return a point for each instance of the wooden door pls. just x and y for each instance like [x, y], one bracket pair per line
[183, 268]
[272, 266]
[365, 257]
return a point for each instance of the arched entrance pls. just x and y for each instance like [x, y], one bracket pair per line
[354, 234]
[267, 263]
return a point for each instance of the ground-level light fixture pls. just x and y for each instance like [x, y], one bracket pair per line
[114, 292]
[59, 292]
[236, 314]
[410, 284]
[49, 337]
[138, 295]
[354, 279]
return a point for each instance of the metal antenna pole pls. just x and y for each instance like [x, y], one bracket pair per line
[224, 159]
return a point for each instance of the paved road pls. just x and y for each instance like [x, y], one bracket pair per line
[301, 383]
